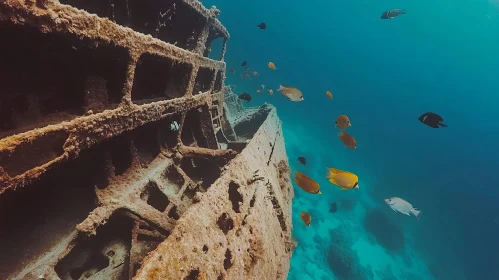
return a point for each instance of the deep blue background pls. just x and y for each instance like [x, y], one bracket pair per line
[442, 56]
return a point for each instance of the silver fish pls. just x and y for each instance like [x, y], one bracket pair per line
[292, 93]
[399, 205]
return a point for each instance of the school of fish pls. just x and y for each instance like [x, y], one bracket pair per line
[345, 180]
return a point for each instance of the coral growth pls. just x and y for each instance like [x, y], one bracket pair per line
[344, 263]
[388, 234]
[342, 260]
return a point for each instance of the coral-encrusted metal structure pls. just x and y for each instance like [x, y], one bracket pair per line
[122, 155]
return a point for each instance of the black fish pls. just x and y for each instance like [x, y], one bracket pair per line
[262, 25]
[244, 63]
[245, 96]
[334, 207]
[432, 120]
[392, 14]
[302, 160]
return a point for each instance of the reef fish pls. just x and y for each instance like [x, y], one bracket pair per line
[272, 65]
[292, 93]
[270, 91]
[262, 25]
[329, 94]
[306, 218]
[302, 160]
[432, 120]
[255, 73]
[306, 183]
[263, 86]
[334, 207]
[348, 140]
[346, 180]
[232, 70]
[245, 96]
[258, 90]
[343, 122]
[399, 205]
[392, 13]
[244, 63]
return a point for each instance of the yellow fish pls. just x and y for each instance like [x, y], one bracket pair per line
[346, 180]
[272, 65]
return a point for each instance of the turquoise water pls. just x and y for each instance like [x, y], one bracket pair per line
[443, 57]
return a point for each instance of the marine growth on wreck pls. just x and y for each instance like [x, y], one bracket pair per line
[124, 156]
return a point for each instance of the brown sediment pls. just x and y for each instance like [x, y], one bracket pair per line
[120, 148]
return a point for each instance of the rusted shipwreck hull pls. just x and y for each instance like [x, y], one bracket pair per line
[123, 156]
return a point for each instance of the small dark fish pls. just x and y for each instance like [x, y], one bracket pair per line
[232, 70]
[245, 96]
[334, 207]
[392, 14]
[262, 25]
[432, 120]
[302, 160]
[244, 63]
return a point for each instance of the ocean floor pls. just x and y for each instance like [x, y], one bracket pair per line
[363, 239]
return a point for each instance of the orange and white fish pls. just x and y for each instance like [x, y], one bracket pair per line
[399, 205]
[306, 218]
[342, 122]
[346, 180]
[329, 94]
[348, 140]
[307, 184]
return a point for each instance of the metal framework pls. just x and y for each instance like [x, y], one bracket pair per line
[112, 128]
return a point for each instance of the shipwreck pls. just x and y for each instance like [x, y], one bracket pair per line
[124, 156]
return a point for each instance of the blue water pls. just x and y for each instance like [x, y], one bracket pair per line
[443, 57]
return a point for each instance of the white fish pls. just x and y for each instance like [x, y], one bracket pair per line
[399, 205]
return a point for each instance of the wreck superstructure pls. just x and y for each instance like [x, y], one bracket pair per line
[122, 154]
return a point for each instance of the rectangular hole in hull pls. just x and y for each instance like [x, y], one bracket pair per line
[192, 133]
[214, 45]
[55, 78]
[35, 153]
[38, 216]
[169, 81]
[203, 81]
[155, 197]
